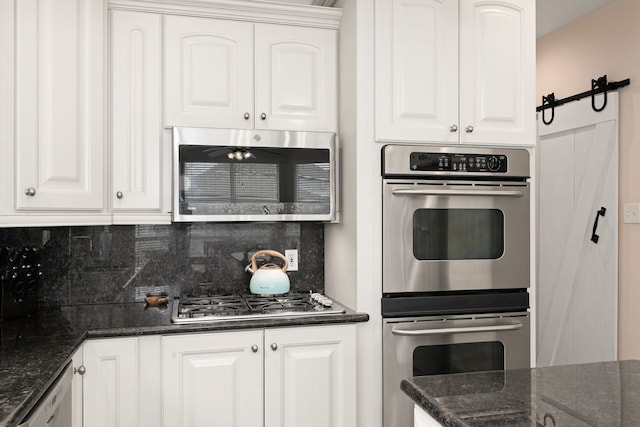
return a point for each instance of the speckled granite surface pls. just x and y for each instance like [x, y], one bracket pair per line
[34, 350]
[107, 264]
[594, 394]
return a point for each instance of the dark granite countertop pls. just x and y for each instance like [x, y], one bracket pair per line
[33, 351]
[593, 394]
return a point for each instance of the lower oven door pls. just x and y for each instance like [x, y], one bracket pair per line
[447, 345]
[455, 236]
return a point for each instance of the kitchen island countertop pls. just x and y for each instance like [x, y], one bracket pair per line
[34, 350]
[591, 394]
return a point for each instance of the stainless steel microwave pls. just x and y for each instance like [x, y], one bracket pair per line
[254, 175]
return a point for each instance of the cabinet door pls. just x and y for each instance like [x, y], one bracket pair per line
[416, 76]
[110, 382]
[295, 75]
[216, 376]
[208, 72]
[497, 72]
[310, 376]
[76, 388]
[136, 52]
[422, 419]
[59, 104]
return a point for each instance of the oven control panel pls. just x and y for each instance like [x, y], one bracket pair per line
[456, 162]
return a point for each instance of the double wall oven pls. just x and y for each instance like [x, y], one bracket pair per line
[456, 265]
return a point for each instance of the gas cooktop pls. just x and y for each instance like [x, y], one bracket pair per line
[210, 308]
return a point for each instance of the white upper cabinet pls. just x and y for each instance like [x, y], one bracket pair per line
[208, 72]
[295, 77]
[59, 108]
[136, 112]
[234, 74]
[92, 88]
[416, 70]
[451, 71]
[497, 72]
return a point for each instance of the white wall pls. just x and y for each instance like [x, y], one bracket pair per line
[605, 42]
[353, 254]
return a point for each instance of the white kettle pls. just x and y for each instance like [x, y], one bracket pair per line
[268, 279]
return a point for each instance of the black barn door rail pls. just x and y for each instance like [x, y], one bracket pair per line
[599, 85]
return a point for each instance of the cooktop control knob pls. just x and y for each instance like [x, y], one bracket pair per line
[493, 163]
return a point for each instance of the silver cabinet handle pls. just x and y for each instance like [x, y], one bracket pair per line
[454, 128]
[456, 193]
[30, 191]
[247, 116]
[457, 330]
[119, 194]
[263, 116]
[80, 370]
[468, 129]
[274, 346]
[254, 348]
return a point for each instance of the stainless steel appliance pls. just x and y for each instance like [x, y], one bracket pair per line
[254, 175]
[211, 308]
[455, 219]
[456, 270]
[432, 345]
[54, 408]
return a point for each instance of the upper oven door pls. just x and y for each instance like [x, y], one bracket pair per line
[454, 236]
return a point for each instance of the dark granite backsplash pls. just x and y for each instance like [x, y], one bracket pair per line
[103, 264]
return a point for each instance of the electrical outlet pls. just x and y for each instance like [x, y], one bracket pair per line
[631, 213]
[292, 259]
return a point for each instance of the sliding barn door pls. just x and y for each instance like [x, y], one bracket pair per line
[577, 277]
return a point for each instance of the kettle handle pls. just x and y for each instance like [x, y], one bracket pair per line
[277, 254]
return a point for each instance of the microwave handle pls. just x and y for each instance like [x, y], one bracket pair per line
[424, 192]
[457, 330]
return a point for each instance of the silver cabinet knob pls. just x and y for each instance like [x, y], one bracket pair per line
[453, 128]
[468, 129]
[274, 346]
[119, 194]
[247, 116]
[30, 191]
[263, 116]
[80, 370]
[254, 348]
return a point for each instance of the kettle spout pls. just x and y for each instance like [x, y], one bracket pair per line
[249, 269]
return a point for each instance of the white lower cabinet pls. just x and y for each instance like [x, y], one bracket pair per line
[212, 379]
[76, 388]
[298, 376]
[110, 385]
[117, 382]
[422, 419]
[276, 377]
[309, 376]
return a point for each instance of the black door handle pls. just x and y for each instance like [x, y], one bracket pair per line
[594, 236]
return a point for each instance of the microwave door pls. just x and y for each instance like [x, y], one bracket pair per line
[272, 176]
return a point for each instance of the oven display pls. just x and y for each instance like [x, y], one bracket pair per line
[449, 162]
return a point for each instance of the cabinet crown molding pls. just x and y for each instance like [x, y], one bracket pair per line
[239, 10]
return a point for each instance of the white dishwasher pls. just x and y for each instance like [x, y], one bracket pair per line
[54, 408]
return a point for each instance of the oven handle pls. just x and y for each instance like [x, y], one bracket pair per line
[457, 330]
[423, 192]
